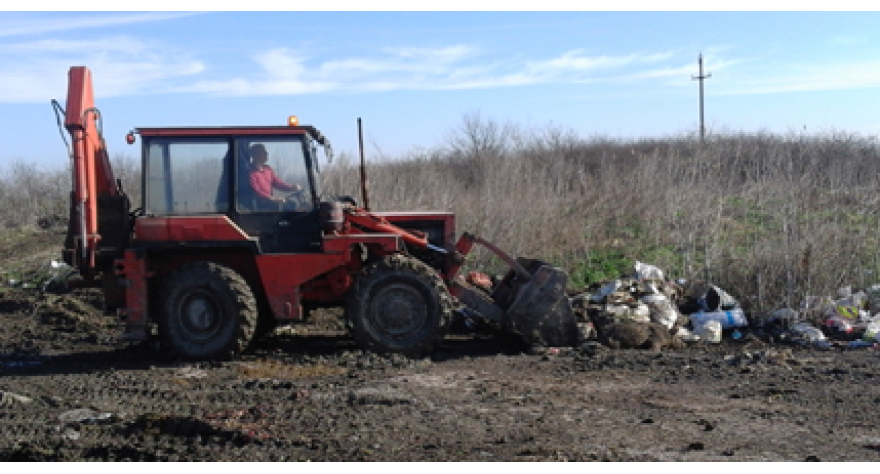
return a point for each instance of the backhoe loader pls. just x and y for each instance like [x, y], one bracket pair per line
[212, 259]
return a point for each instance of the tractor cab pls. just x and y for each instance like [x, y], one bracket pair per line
[263, 178]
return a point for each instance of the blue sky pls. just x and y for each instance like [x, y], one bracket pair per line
[413, 76]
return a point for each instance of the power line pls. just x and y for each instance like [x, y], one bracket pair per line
[701, 78]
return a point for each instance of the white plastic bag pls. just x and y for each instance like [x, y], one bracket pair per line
[809, 332]
[638, 312]
[872, 332]
[607, 289]
[662, 311]
[709, 331]
[648, 272]
[734, 318]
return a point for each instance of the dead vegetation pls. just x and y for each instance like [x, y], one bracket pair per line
[772, 218]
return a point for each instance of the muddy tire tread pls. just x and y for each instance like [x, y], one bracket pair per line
[395, 267]
[235, 297]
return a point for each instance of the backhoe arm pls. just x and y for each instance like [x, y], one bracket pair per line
[91, 172]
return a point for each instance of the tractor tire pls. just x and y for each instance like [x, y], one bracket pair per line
[399, 305]
[208, 312]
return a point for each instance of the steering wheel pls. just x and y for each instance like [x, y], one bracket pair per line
[295, 200]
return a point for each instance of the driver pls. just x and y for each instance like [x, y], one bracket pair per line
[263, 178]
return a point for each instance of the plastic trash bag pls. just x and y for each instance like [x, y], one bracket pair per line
[709, 331]
[645, 271]
[733, 318]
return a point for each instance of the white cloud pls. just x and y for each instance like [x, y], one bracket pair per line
[813, 77]
[284, 71]
[37, 71]
[20, 26]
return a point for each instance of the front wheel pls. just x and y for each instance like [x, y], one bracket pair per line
[399, 305]
[208, 312]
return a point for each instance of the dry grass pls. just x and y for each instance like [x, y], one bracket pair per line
[771, 218]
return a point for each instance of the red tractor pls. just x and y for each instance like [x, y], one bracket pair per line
[235, 237]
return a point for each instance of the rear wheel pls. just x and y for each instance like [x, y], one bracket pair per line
[208, 312]
[399, 305]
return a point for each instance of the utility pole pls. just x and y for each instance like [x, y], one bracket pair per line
[700, 78]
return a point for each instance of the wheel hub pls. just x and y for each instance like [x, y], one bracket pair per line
[400, 310]
[200, 316]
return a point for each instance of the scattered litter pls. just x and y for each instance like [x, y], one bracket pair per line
[840, 328]
[70, 434]
[85, 416]
[635, 311]
[648, 272]
[872, 332]
[608, 289]
[57, 275]
[8, 399]
[708, 330]
[51, 276]
[783, 318]
[686, 335]
[808, 332]
[662, 310]
[190, 373]
[732, 318]
[861, 345]
[15, 364]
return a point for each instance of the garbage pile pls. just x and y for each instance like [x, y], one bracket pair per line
[649, 311]
[852, 320]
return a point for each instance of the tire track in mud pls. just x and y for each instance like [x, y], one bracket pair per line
[70, 391]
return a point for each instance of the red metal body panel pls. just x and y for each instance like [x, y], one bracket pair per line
[447, 217]
[187, 228]
[132, 269]
[384, 222]
[288, 278]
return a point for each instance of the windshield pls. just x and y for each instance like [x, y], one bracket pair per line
[272, 175]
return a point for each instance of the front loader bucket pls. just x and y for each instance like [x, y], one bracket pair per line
[535, 304]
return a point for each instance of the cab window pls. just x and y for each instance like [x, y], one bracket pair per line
[186, 176]
[272, 175]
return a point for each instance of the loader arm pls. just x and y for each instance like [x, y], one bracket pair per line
[94, 186]
[371, 222]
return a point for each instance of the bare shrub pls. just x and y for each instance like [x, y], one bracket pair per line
[32, 195]
[771, 218]
[36, 196]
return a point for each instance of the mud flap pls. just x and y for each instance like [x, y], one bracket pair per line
[538, 309]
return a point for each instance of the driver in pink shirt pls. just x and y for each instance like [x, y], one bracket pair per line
[263, 178]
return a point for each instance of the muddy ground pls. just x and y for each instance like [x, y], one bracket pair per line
[72, 391]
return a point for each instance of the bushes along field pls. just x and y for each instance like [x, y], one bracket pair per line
[771, 218]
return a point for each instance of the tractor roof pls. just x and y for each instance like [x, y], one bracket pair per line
[215, 131]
